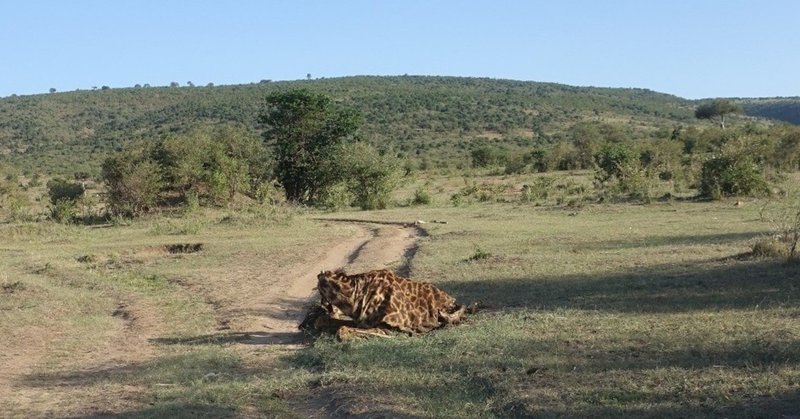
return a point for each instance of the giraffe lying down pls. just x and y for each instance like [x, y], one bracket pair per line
[377, 301]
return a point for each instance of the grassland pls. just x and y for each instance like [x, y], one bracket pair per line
[590, 310]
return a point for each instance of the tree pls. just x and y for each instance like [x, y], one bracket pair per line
[133, 180]
[52, 90]
[716, 110]
[304, 128]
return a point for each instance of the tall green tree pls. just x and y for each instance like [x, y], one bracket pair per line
[304, 129]
[717, 110]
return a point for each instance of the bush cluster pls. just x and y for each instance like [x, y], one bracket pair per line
[207, 166]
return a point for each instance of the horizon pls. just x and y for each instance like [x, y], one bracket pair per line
[732, 49]
[215, 85]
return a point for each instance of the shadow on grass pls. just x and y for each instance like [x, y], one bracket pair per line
[168, 410]
[666, 288]
[656, 241]
[785, 406]
[247, 338]
[206, 382]
[204, 364]
[532, 376]
[497, 366]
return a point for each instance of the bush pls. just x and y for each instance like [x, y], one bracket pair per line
[64, 211]
[538, 189]
[64, 196]
[13, 201]
[213, 164]
[205, 166]
[637, 182]
[516, 164]
[770, 248]
[486, 156]
[479, 255]
[371, 176]
[421, 197]
[335, 197]
[63, 190]
[612, 158]
[731, 175]
[133, 180]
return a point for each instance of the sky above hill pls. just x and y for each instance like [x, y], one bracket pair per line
[690, 48]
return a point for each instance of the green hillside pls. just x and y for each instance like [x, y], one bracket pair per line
[781, 109]
[435, 118]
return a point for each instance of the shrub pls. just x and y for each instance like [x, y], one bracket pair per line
[133, 180]
[538, 189]
[612, 158]
[769, 248]
[64, 196]
[61, 190]
[205, 166]
[637, 182]
[13, 201]
[731, 175]
[486, 156]
[335, 197]
[63, 211]
[213, 164]
[516, 164]
[370, 175]
[421, 197]
[479, 255]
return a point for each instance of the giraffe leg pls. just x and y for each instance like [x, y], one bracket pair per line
[347, 333]
[454, 317]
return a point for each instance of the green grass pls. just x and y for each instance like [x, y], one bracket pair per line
[619, 310]
[598, 310]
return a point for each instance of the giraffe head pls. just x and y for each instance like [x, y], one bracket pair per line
[337, 290]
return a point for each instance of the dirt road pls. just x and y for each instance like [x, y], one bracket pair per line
[256, 308]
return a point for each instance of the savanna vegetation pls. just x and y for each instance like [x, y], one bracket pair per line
[433, 122]
[635, 254]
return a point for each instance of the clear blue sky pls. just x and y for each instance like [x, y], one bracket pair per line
[693, 49]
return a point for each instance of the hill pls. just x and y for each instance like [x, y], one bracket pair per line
[435, 118]
[781, 109]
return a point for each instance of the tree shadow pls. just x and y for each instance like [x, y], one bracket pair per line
[502, 376]
[657, 241]
[785, 405]
[166, 410]
[225, 338]
[708, 285]
[486, 365]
